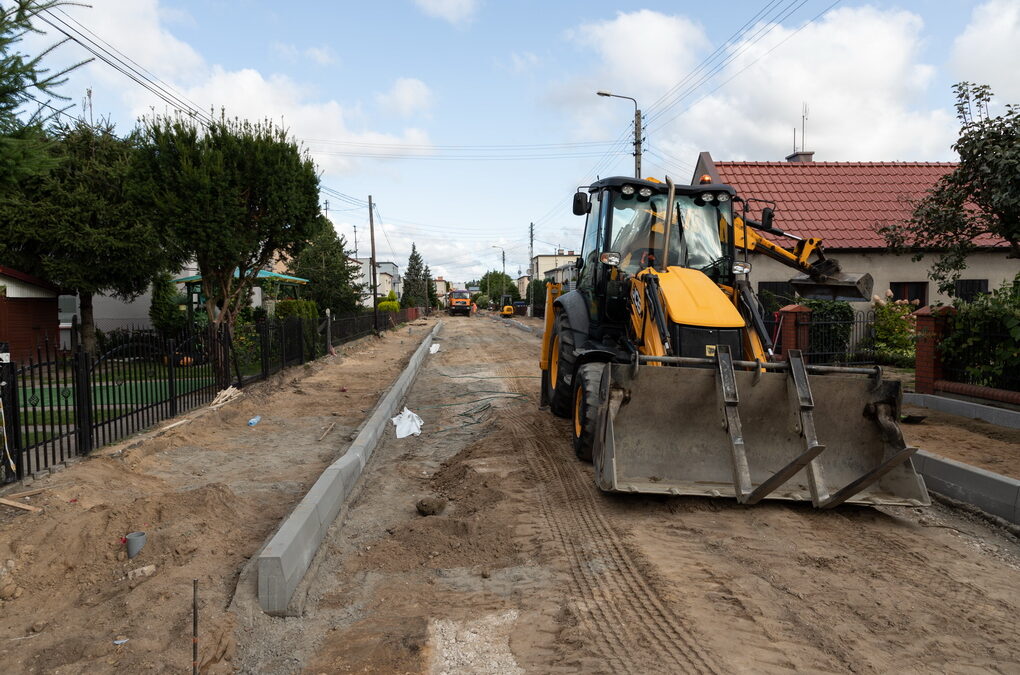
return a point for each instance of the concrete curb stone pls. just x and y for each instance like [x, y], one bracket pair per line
[953, 406]
[285, 559]
[992, 493]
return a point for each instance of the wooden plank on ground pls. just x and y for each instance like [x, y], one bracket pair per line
[19, 505]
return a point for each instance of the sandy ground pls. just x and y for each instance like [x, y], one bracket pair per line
[207, 493]
[970, 441]
[529, 568]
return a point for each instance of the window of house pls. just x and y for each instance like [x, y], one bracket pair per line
[968, 289]
[67, 306]
[910, 290]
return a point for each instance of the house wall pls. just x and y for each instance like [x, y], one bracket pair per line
[886, 268]
[26, 322]
[16, 288]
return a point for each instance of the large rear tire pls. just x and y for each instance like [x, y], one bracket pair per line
[560, 374]
[586, 406]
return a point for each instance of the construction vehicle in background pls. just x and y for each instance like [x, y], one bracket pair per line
[506, 307]
[661, 359]
[458, 302]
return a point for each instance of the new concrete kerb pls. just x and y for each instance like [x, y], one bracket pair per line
[285, 559]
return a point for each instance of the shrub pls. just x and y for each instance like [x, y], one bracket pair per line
[305, 309]
[831, 324]
[389, 306]
[982, 343]
[892, 337]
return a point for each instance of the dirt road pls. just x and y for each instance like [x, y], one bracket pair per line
[529, 568]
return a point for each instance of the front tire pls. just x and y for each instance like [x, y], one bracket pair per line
[586, 408]
[560, 374]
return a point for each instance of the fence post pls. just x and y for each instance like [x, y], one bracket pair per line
[171, 376]
[263, 328]
[931, 327]
[794, 332]
[329, 330]
[9, 399]
[302, 325]
[82, 400]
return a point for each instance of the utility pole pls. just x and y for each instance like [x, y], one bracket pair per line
[637, 141]
[502, 278]
[371, 235]
[531, 267]
[355, 241]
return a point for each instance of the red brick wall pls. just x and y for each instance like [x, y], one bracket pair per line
[24, 322]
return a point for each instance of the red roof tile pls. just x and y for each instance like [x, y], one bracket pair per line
[843, 203]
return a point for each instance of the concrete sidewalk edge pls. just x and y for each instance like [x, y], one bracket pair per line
[992, 493]
[954, 406]
[285, 559]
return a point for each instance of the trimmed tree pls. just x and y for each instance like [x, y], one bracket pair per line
[164, 311]
[80, 225]
[432, 293]
[980, 197]
[233, 197]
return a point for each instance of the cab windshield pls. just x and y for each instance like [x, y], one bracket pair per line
[695, 239]
[460, 295]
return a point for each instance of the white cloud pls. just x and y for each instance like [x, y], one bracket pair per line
[454, 11]
[857, 68]
[521, 62]
[406, 97]
[135, 27]
[323, 56]
[988, 49]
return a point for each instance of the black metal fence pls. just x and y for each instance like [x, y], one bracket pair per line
[841, 341]
[992, 361]
[62, 403]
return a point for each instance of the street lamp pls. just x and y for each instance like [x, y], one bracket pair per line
[504, 274]
[637, 130]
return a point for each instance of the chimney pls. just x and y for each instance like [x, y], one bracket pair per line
[570, 252]
[802, 157]
[439, 278]
[559, 251]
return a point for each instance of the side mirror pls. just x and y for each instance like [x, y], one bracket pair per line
[579, 263]
[767, 216]
[581, 204]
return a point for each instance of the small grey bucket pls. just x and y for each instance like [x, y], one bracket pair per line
[135, 542]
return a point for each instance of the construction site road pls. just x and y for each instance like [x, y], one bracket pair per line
[483, 546]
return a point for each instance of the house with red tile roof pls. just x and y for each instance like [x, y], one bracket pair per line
[844, 204]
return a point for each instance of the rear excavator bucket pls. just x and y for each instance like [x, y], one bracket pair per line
[709, 427]
[836, 286]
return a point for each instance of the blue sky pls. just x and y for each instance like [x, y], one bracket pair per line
[479, 116]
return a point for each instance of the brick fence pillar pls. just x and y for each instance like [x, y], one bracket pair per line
[931, 326]
[794, 331]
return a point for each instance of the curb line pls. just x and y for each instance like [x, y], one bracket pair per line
[285, 559]
[992, 493]
[1000, 416]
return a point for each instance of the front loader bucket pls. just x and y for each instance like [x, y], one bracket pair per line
[714, 431]
[836, 286]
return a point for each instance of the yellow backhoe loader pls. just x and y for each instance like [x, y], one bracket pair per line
[661, 359]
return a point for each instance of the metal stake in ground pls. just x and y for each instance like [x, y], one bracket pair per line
[194, 627]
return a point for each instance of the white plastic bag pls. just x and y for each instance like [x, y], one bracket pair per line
[407, 424]
[434, 348]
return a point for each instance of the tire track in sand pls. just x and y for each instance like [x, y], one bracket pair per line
[616, 603]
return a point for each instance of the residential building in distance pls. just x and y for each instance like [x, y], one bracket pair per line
[28, 313]
[522, 284]
[844, 204]
[541, 265]
[387, 278]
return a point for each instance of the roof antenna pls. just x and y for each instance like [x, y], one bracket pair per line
[803, 120]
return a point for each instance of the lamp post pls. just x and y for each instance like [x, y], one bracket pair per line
[504, 274]
[637, 130]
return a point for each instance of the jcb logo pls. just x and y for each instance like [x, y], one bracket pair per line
[709, 350]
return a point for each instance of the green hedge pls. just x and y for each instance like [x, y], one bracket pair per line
[389, 306]
[306, 309]
[983, 341]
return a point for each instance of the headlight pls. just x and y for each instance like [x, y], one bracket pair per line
[707, 197]
[645, 192]
[741, 267]
[627, 190]
[722, 197]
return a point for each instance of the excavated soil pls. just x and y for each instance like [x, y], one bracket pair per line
[207, 493]
[529, 568]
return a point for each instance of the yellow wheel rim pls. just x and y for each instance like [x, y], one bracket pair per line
[554, 361]
[577, 412]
